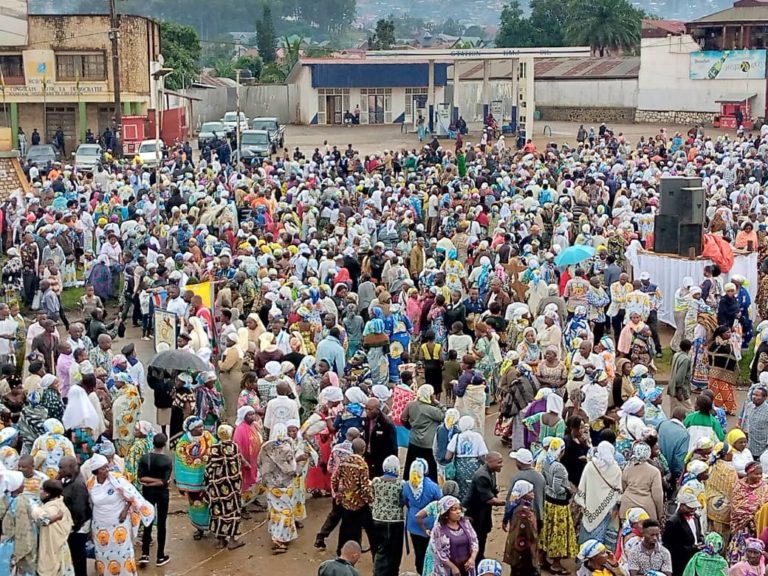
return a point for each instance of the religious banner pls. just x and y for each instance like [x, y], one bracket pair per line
[165, 330]
[205, 291]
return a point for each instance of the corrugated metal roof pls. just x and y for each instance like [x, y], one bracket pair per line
[737, 14]
[561, 69]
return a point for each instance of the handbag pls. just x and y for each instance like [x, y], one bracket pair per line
[36, 300]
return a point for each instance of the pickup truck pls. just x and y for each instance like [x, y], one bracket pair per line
[275, 130]
[254, 146]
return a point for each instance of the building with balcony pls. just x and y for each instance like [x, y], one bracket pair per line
[61, 75]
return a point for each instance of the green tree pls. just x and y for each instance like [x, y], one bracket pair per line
[452, 27]
[266, 38]
[221, 49]
[180, 47]
[224, 69]
[291, 54]
[548, 19]
[251, 63]
[604, 25]
[515, 30]
[383, 37]
[272, 74]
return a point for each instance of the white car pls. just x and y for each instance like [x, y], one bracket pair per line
[87, 157]
[230, 121]
[148, 152]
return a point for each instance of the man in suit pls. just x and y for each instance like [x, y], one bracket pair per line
[379, 435]
[496, 293]
[682, 536]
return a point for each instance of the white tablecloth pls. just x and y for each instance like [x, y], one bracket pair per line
[668, 273]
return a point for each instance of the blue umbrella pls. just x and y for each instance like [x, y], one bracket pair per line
[574, 254]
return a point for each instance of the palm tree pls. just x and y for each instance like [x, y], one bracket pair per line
[291, 53]
[603, 25]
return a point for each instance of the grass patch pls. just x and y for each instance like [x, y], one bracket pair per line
[70, 296]
[664, 364]
[746, 360]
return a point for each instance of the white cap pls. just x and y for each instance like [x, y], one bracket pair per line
[523, 456]
[645, 276]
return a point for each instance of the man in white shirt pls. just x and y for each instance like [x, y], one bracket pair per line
[7, 335]
[176, 303]
[282, 408]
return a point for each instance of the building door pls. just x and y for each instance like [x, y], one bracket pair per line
[375, 109]
[62, 117]
[333, 109]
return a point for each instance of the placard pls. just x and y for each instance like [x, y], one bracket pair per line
[165, 329]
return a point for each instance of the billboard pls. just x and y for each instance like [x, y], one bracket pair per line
[727, 65]
[13, 23]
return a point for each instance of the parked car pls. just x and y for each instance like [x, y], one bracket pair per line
[276, 131]
[210, 131]
[254, 145]
[43, 154]
[230, 121]
[148, 152]
[87, 157]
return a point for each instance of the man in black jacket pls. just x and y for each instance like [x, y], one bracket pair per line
[682, 535]
[163, 388]
[380, 437]
[79, 504]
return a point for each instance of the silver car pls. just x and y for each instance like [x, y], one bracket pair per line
[87, 157]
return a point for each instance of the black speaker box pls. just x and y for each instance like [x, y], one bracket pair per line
[690, 236]
[665, 234]
[674, 200]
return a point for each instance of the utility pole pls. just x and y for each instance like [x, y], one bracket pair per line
[114, 25]
[237, 106]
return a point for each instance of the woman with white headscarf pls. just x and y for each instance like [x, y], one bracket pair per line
[599, 493]
[642, 484]
[467, 449]
[82, 423]
[18, 547]
[558, 535]
[423, 416]
[550, 422]
[631, 424]
[247, 437]
[521, 526]
[114, 501]
[682, 301]
[315, 431]
[388, 518]
[306, 456]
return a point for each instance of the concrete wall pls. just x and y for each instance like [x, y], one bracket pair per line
[665, 84]
[618, 93]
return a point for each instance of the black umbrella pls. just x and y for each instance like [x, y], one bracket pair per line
[178, 360]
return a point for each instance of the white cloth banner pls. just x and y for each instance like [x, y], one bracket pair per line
[668, 273]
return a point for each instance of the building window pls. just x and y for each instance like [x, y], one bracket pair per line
[73, 67]
[409, 98]
[12, 69]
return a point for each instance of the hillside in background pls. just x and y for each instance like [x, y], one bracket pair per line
[212, 18]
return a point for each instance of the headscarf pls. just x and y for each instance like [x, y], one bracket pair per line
[13, 480]
[224, 432]
[734, 436]
[755, 544]
[641, 452]
[79, 412]
[556, 447]
[488, 566]
[355, 395]
[520, 489]
[96, 462]
[446, 503]
[391, 466]
[418, 471]
[145, 427]
[330, 394]
[555, 404]
[590, 549]
[694, 469]
[278, 432]
[307, 366]
[452, 416]
[708, 560]
[46, 381]
[424, 393]
[382, 392]
[631, 407]
[466, 423]
[105, 448]
[53, 426]
[191, 423]
[242, 412]
[604, 455]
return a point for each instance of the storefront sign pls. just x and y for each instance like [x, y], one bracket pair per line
[55, 90]
[727, 65]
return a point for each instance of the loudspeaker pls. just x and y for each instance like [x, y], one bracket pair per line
[690, 236]
[665, 234]
[673, 198]
[692, 201]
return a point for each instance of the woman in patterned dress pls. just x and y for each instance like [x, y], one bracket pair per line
[277, 463]
[118, 510]
[306, 456]
[222, 489]
[50, 448]
[192, 451]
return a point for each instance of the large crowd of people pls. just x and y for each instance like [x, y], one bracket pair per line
[366, 312]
